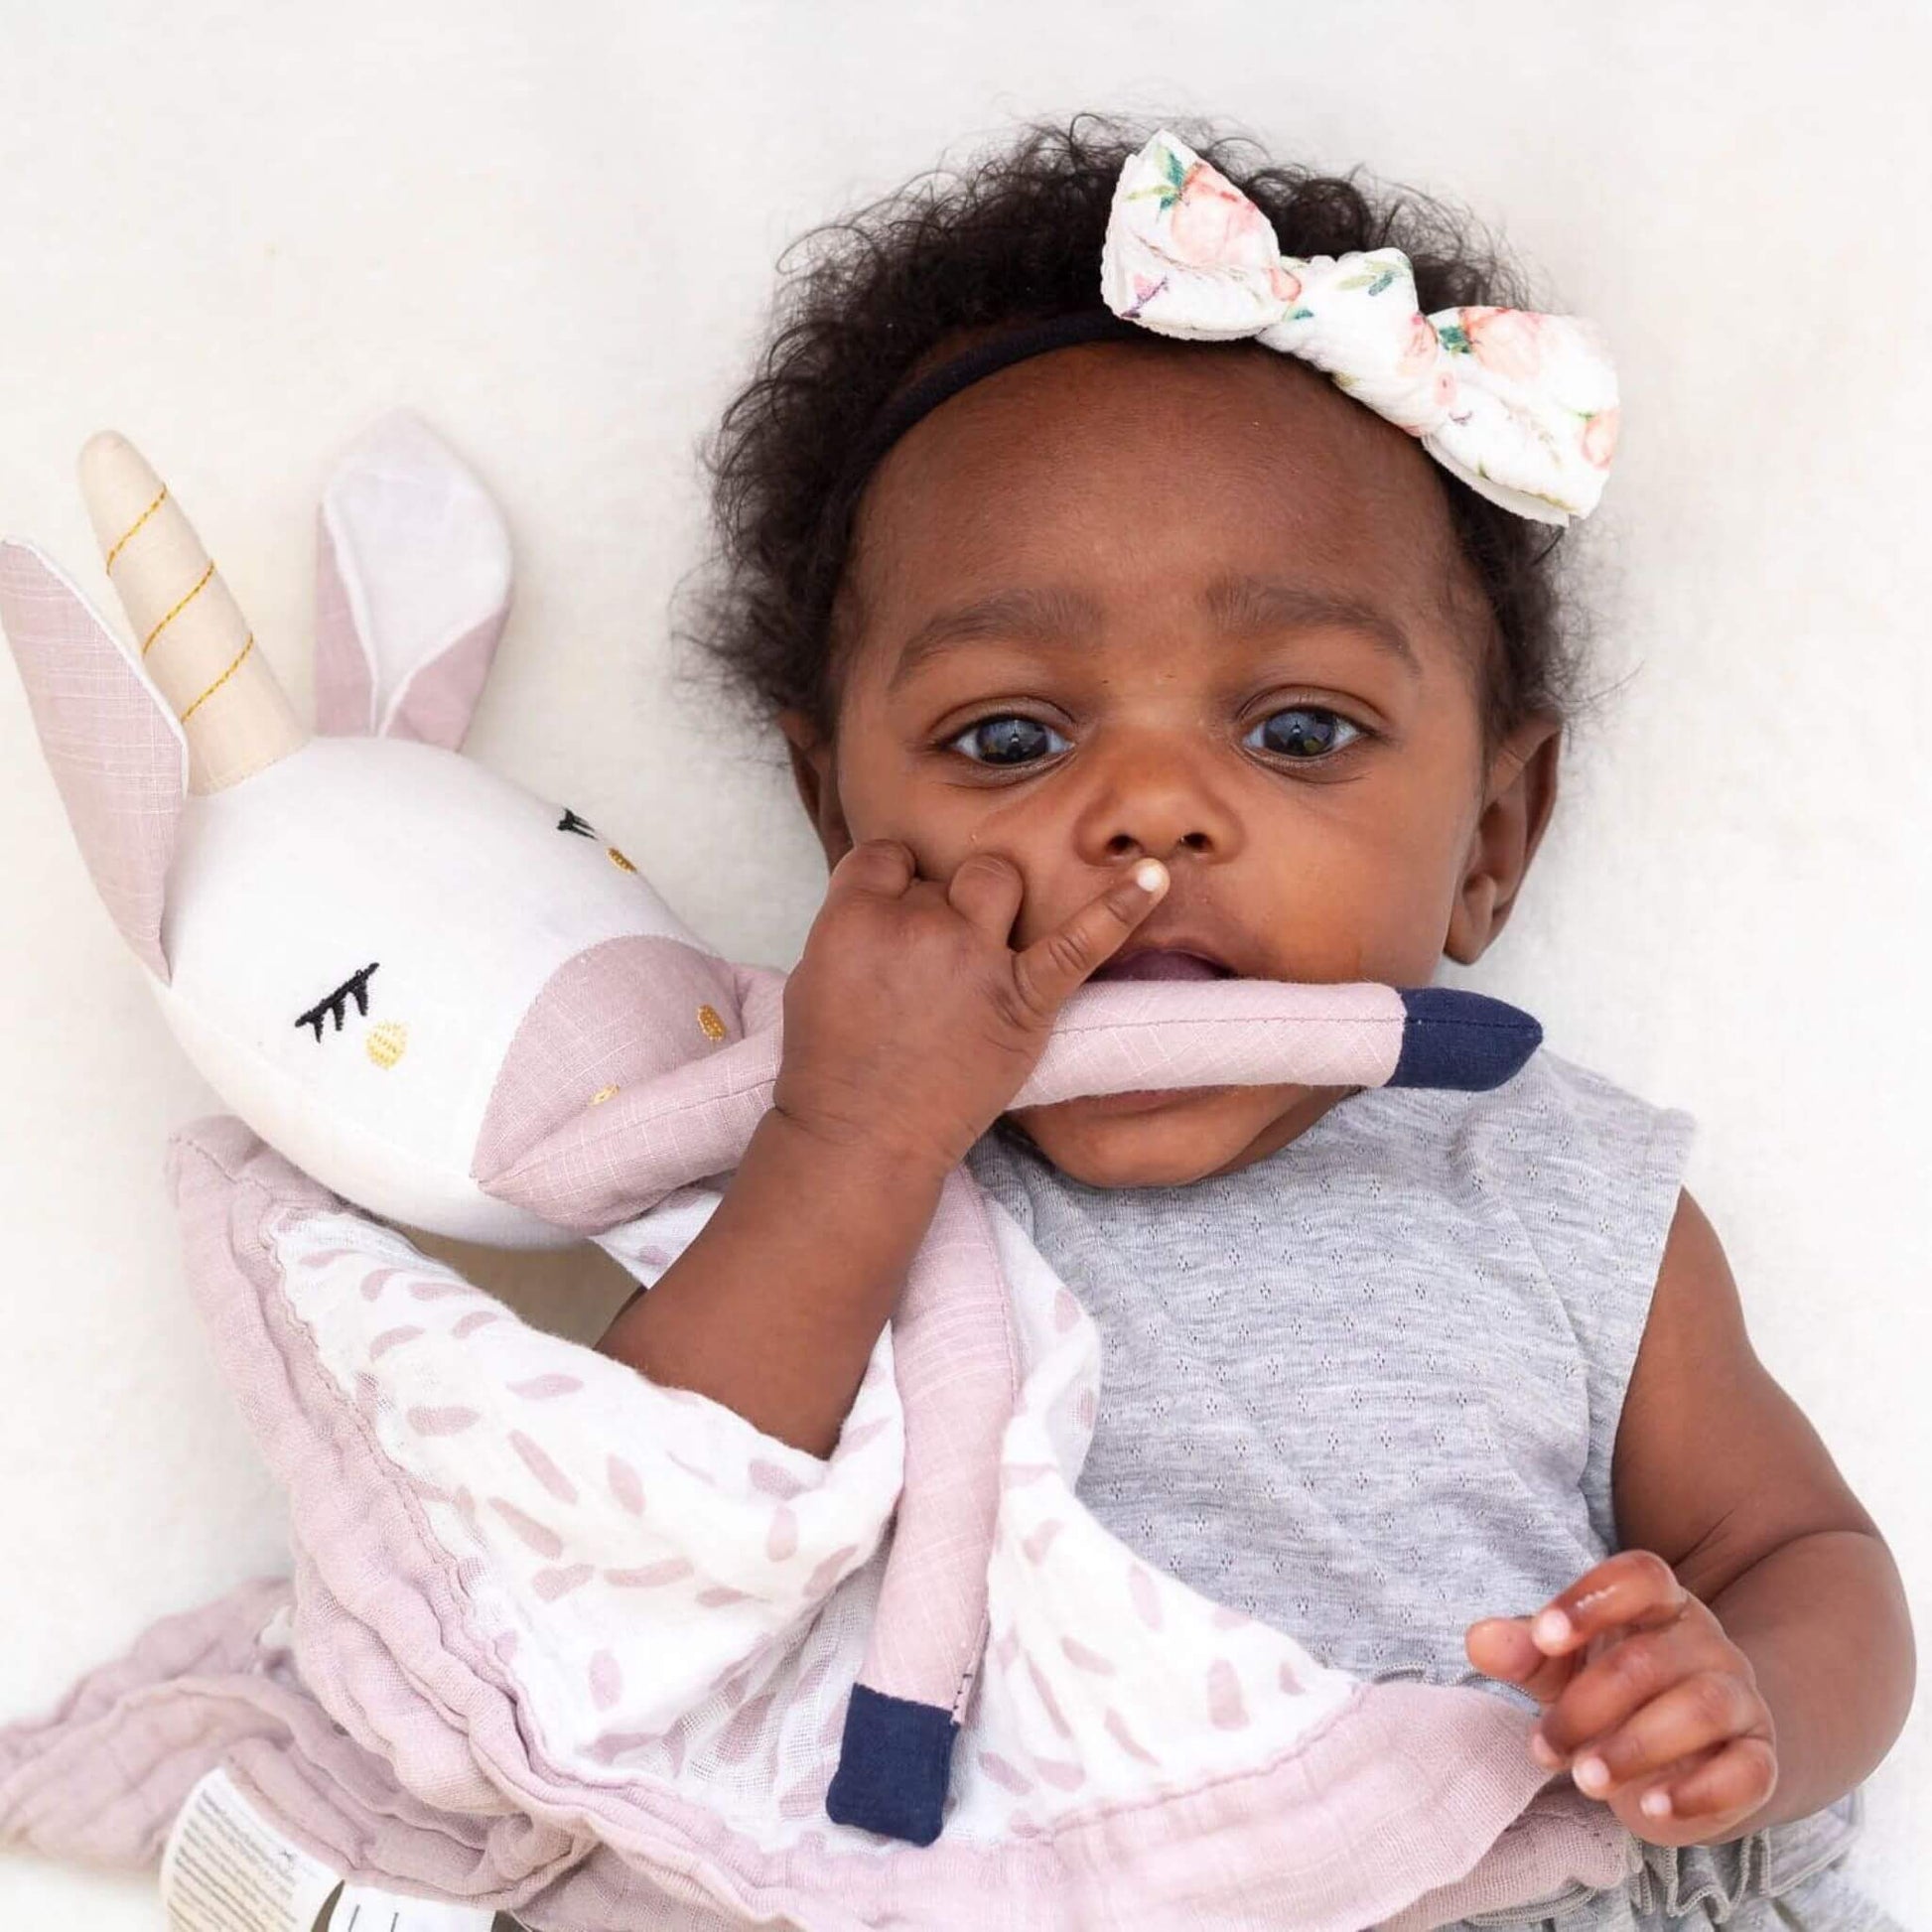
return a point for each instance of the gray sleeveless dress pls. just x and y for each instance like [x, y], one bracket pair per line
[1367, 1389]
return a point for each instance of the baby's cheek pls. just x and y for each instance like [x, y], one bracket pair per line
[1382, 919]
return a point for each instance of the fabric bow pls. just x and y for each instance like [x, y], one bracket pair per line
[1522, 406]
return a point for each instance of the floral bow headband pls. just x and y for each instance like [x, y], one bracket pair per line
[1522, 406]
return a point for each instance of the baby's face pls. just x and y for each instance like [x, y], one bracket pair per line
[1122, 601]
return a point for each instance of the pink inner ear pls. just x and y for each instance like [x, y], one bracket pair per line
[345, 687]
[437, 702]
[116, 755]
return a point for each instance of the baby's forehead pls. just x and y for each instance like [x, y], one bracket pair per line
[1148, 466]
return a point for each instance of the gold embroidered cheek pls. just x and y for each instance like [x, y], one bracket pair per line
[387, 1042]
[601, 1095]
[618, 859]
[712, 1027]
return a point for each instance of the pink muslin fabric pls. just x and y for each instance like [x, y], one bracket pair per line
[115, 752]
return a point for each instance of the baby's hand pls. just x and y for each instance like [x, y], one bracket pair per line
[909, 1022]
[1631, 1665]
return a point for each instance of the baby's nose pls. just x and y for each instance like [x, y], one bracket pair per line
[1124, 845]
[1156, 800]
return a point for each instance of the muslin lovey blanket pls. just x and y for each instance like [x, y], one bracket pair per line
[558, 1641]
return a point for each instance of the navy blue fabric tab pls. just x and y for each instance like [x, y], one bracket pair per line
[1463, 1040]
[895, 1764]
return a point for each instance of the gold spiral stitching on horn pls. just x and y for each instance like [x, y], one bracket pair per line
[246, 647]
[135, 525]
[174, 612]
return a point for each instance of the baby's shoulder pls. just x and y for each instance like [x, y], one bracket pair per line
[1588, 1170]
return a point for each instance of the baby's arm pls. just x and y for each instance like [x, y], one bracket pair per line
[774, 1306]
[1756, 1652]
[910, 1022]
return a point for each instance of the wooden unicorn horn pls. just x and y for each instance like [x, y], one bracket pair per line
[194, 642]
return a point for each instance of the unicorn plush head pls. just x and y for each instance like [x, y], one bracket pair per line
[402, 970]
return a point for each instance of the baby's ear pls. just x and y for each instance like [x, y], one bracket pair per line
[1521, 793]
[112, 742]
[412, 588]
[815, 774]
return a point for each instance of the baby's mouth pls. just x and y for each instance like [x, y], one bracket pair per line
[1161, 963]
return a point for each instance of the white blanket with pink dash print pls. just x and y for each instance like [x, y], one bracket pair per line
[563, 1644]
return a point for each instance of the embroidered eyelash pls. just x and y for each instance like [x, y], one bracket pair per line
[570, 822]
[337, 1004]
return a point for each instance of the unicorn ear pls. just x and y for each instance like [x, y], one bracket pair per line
[111, 741]
[412, 588]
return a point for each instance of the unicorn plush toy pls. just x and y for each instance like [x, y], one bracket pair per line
[555, 1635]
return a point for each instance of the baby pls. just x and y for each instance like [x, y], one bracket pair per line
[1145, 657]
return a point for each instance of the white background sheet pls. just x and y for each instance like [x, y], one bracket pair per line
[237, 234]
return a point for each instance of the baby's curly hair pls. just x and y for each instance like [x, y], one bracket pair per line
[1016, 237]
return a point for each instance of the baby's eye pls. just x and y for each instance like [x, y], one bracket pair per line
[1008, 739]
[1303, 731]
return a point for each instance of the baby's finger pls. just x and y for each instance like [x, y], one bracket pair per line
[986, 890]
[1056, 963]
[1739, 1779]
[1634, 1586]
[1644, 1804]
[1500, 1647]
[1706, 1707]
[1618, 1676]
[880, 868]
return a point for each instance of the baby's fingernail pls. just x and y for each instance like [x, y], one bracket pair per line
[1656, 1804]
[1550, 1628]
[1544, 1752]
[1151, 876]
[1593, 1774]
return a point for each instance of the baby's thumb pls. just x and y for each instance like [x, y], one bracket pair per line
[1501, 1646]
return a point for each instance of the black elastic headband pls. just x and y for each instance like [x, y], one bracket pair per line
[904, 409]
